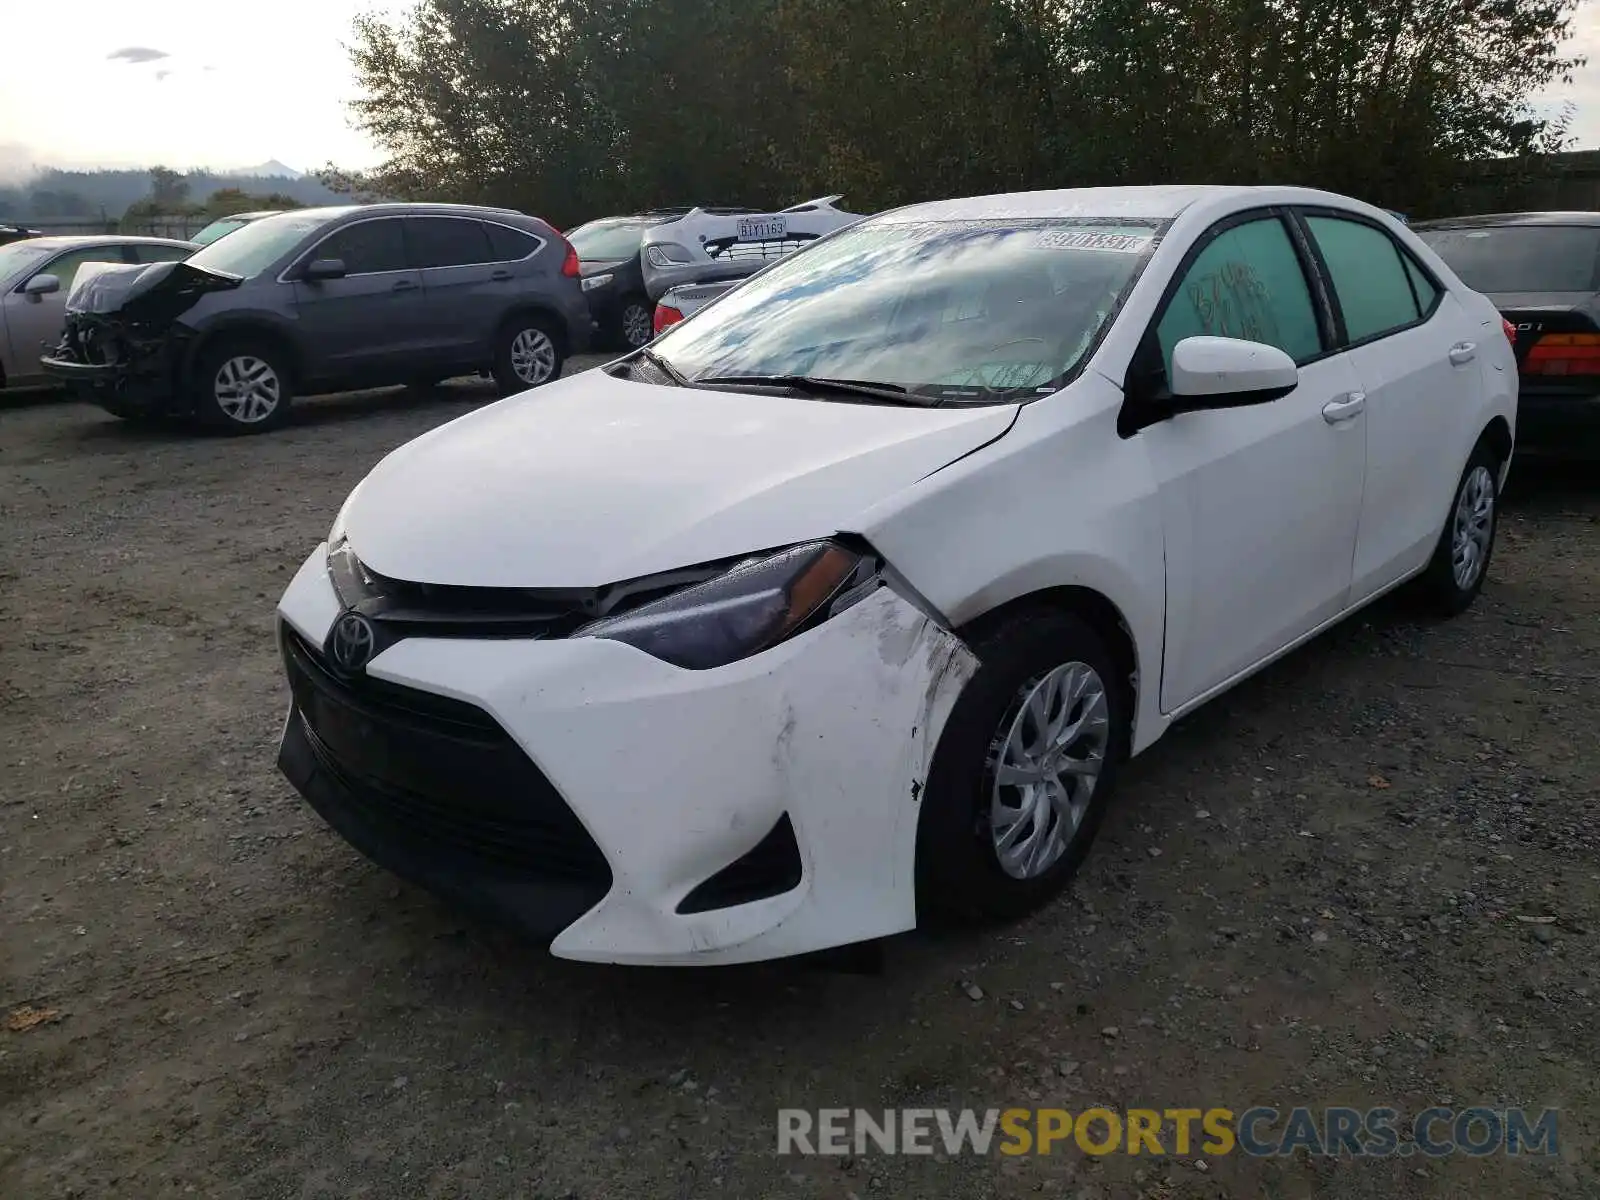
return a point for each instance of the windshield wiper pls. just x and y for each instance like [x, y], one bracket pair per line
[893, 393]
[662, 365]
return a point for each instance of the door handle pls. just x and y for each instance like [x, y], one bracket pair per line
[1463, 352]
[1336, 412]
[500, 276]
[403, 285]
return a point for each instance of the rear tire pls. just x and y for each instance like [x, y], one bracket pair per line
[243, 386]
[527, 353]
[1024, 769]
[635, 323]
[1454, 575]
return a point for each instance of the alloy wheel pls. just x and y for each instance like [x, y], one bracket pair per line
[247, 389]
[638, 325]
[533, 356]
[1045, 762]
[1472, 527]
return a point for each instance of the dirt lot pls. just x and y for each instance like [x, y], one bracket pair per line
[1309, 894]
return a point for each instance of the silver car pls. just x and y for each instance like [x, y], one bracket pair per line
[35, 276]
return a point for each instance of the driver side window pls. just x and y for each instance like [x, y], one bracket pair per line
[1247, 283]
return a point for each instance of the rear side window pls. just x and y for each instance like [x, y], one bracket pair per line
[509, 244]
[1521, 258]
[1369, 277]
[366, 247]
[1420, 284]
[1247, 283]
[447, 242]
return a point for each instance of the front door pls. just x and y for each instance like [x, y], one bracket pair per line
[369, 325]
[1260, 504]
[35, 322]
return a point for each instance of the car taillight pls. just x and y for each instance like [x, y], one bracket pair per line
[569, 265]
[1564, 354]
[1510, 330]
[666, 315]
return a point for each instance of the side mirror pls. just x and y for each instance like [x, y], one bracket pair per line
[324, 268]
[1216, 372]
[41, 285]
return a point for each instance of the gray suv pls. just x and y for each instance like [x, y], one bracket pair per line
[323, 300]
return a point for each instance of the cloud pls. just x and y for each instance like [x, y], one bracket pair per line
[162, 74]
[138, 54]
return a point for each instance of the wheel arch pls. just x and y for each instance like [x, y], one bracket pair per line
[1497, 436]
[555, 324]
[1091, 606]
[247, 327]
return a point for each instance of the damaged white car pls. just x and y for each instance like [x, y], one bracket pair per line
[708, 245]
[845, 601]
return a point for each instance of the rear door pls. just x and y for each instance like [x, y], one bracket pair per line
[1415, 351]
[371, 323]
[465, 287]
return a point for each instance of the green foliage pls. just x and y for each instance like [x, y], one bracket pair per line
[571, 108]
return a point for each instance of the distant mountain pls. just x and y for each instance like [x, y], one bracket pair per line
[57, 193]
[272, 169]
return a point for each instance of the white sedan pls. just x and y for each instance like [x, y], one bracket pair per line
[844, 601]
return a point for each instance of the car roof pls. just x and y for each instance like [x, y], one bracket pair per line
[1482, 220]
[1155, 202]
[63, 241]
[255, 216]
[333, 212]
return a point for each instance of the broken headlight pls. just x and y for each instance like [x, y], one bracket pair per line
[747, 609]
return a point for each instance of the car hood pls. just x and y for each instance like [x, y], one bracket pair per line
[594, 480]
[156, 291]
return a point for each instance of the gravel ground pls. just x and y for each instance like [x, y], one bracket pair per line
[1309, 893]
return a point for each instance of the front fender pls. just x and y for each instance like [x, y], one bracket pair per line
[1060, 501]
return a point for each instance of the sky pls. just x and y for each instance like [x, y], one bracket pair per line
[195, 83]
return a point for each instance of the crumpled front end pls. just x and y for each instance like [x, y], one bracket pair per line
[122, 345]
[624, 809]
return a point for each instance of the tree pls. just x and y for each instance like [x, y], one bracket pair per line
[574, 108]
[169, 191]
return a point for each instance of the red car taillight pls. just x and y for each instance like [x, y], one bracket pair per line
[666, 315]
[1510, 330]
[569, 265]
[1564, 354]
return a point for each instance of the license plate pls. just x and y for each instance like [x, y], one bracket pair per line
[763, 229]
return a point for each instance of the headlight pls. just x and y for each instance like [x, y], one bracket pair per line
[746, 610]
[590, 282]
[665, 254]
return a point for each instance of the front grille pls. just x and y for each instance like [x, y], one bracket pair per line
[731, 250]
[439, 777]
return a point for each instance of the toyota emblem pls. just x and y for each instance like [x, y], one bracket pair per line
[353, 642]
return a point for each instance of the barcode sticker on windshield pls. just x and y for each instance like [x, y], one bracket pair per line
[1121, 243]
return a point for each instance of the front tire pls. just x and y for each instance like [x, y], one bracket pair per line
[1024, 770]
[243, 386]
[527, 354]
[1460, 563]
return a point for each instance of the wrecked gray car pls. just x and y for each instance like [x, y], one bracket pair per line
[326, 300]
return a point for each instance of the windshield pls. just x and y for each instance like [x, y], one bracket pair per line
[613, 237]
[255, 247]
[953, 311]
[1520, 258]
[19, 256]
[216, 229]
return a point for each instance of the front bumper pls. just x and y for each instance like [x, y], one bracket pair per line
[647, 781]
